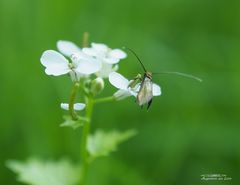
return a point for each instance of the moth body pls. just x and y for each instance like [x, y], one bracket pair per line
[145, 93]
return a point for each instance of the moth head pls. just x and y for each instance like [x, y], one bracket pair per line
[148, 74]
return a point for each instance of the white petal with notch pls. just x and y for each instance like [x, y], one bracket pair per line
[56, 64]
[67, 48]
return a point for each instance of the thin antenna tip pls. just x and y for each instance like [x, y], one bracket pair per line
[182, 74]
[197, 78]
[200, 80]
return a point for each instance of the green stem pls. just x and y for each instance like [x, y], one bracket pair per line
[106, 99]
[85, 39]
[72, 100]
[84, 152]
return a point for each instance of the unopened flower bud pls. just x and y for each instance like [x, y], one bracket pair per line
[97, 85]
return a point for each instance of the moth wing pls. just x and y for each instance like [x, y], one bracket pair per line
[145, 93]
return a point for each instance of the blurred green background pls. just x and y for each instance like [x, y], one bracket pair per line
[192, 129]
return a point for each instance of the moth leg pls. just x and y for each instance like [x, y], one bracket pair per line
[149, 104]
[135, 81]
[138, 78]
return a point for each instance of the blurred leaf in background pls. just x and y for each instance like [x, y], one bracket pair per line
[39, 172]
[102, 143]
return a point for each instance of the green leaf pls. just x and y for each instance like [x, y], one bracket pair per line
[102, 143]
[38, 172]
[69, 122]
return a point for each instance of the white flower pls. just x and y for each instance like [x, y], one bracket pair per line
[76, 106]
[108, 57]
[56, 64]
[120, 82]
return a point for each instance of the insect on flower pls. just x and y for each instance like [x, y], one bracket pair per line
[145, 93]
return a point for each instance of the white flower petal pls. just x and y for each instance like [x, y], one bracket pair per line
[76, 106]
[79, 106]
[57, 71]
[122, 94]
[118, 81]
[90, 51]
[64, 106]
[51, 58]
[134, 91]
[75, 57]
[88, 67]
[111, 60]
[56, 64]
[106, 69]
[156, 90]
[100, 47]
[117, 53]
[67, 48]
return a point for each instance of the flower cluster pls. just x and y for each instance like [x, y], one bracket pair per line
[98, 60]
[84, 63]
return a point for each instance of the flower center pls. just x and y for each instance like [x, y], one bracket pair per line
[71, 66]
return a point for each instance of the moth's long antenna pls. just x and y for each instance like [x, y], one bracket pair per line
[137, 58]
[179, 74]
